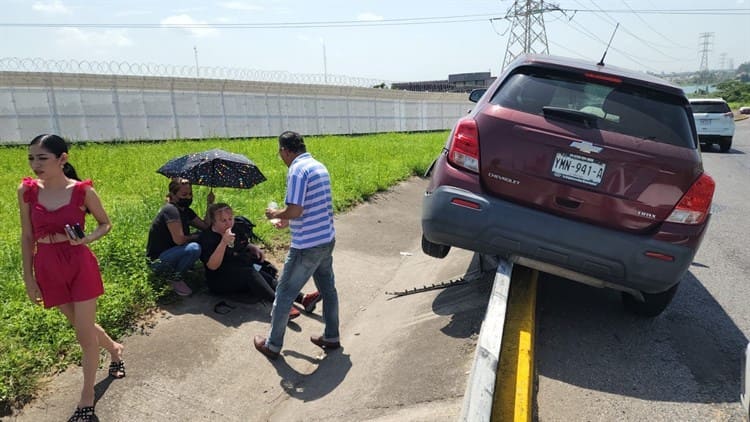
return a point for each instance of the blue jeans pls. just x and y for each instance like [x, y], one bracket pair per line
[300, 265]
[176, 260]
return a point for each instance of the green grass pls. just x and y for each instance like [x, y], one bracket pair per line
[35, 342]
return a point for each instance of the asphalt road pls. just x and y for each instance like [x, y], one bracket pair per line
[404, 359]
[595, 362]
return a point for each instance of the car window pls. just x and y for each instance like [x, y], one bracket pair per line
[709, 107]
[630, 110]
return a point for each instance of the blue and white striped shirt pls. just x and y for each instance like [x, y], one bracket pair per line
[309, 186]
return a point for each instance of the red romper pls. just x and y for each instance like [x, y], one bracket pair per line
[65, 273]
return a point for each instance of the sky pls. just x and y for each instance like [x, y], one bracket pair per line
[384, 40]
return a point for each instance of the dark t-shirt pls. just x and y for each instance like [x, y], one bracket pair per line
[159, 237]
[233, 259]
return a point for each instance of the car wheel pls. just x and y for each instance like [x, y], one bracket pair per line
[706, 146]
[653, 305]
[725, 144]
[433, 249]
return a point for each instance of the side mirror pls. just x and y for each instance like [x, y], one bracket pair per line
[476, 94]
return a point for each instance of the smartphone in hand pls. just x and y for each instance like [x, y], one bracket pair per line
[79, 231]
[71, 232]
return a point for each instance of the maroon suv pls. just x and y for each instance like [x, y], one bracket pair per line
[589, 172]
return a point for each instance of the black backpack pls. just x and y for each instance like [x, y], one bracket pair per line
[243, 232]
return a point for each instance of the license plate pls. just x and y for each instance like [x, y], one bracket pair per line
[578, 168]
[706, 122]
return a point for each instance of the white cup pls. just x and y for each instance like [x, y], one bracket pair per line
[273, 205]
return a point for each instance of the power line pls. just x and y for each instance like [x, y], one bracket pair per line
[632, 34]
[652, 28]
[356, 23]
[627, 56]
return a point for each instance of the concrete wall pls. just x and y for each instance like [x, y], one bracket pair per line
[103, 108]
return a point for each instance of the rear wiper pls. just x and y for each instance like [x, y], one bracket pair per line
[587, 119]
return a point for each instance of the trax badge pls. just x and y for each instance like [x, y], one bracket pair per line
[586, 147]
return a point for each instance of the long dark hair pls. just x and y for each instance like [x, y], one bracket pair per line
[175, 184]
[56, 145]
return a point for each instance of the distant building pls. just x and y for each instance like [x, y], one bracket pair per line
[459, 82]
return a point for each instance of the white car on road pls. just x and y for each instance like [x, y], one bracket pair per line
[714, 121]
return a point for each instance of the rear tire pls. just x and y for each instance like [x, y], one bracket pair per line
[433, 249]
[725, 144]
[654, 304]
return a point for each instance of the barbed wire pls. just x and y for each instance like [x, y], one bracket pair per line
[20, 64]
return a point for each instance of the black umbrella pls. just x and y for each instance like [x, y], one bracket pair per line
[215, 168]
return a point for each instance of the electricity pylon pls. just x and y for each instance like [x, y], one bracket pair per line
[527, 32]
[705, 45]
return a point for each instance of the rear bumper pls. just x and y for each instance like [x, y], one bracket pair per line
[713, 138]
[500, 227]
[716, 132]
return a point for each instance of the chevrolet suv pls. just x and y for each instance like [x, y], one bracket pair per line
[714, 121]
[585, 171]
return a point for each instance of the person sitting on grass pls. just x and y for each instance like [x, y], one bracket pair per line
[230, 264]
[172, 249]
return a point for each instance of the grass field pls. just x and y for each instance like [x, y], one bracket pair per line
[35, 342]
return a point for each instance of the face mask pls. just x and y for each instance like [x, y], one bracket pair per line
[184, 202]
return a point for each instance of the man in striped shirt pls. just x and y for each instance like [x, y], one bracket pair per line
[309, 215]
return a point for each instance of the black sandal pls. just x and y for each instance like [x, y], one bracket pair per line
[117, 369]
[223, 308]
[83, 414]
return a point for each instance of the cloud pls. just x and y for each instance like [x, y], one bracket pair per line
[52, 7]
[195, 27]
[367, 16]
[78, 38]
[125, 13]
[240, 5]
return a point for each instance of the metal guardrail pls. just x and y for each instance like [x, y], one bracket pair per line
[480, 391]
[500, 386]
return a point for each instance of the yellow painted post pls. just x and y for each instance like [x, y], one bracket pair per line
[514, 387]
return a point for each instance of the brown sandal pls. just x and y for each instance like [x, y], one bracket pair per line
[117, 369]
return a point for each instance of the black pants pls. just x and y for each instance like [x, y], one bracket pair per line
[245, 279]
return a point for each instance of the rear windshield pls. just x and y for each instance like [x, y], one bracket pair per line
[626, 109]
[709, 107]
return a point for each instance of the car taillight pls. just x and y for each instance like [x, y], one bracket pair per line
[464, 149]
[694, 206]
[729, 114]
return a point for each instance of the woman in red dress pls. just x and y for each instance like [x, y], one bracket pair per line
[59, 269]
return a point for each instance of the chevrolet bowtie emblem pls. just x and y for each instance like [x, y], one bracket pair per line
[586, 147]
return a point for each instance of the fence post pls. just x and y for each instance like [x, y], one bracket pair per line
[52, 105]
[116, 104]
[174, 109]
